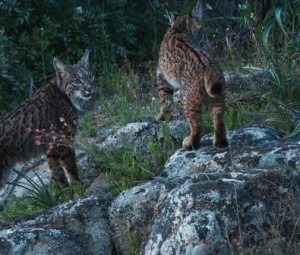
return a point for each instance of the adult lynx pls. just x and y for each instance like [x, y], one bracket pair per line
[46, 123]
[185, 66]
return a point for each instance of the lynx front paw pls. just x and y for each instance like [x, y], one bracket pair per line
[159, 117]
[191, 143]
[221, 143]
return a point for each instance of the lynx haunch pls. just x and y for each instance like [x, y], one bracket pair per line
[184, 66]
[47, 122]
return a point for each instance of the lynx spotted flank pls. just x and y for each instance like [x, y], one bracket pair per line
[47, 122]
[184, 66]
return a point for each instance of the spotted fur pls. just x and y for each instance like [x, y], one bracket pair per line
[47, 122]
[184, 66]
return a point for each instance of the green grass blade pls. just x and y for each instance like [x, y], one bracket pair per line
[266, 32]
[34, 184]
[295, 132]
[278, 12]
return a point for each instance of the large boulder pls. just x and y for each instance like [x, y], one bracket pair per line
[228, 216]
[78, 227]
[210, 214]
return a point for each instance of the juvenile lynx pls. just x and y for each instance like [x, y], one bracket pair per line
[46, 123]
[183, 65]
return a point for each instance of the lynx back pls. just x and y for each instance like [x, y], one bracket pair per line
[184, 66]
[47, 122]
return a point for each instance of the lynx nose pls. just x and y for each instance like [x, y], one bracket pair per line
[88, 92]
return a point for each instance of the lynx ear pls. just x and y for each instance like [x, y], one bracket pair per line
[170, 15]
[197, 12]
[84, 61]
[59, 66]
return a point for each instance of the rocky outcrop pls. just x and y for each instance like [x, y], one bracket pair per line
[78, 227]
[211, 214]
[220, 215]
[244, 199]
[241, 199]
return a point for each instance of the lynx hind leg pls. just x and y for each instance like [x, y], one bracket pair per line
[193, 110]
[68, 161]
[62, 163]
[217, 112]
[57, 172]
[165, 93]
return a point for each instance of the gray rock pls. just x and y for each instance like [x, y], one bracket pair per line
[132, 211]
[138, 135]
[216, 217]
[86, 166]
[101, 185]
[78, 227]
[182, 228]
[250, 148]
[251, 77]
[133, 134]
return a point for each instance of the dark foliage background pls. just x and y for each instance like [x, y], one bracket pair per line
[32, 32]
[120, 34]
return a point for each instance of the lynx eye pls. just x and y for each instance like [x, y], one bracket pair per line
[77, 81]
[91, 77]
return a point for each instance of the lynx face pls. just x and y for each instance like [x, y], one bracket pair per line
[183, 65]
[76, 80]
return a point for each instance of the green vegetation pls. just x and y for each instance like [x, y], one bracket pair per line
[129, 165]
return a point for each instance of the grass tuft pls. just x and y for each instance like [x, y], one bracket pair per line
[40, 196]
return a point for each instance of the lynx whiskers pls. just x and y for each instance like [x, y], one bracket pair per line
[47, 122]
[184, 66]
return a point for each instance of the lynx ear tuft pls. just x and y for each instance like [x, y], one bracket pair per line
[84, 61]
[197, 12]
[170, 15]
